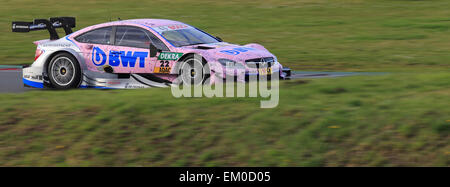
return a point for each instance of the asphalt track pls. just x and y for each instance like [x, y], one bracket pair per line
[11, 77]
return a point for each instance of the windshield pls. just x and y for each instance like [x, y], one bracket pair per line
[183, 35]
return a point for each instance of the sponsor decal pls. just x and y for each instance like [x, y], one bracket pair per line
[119, 58]
[237, 50]
[34, 77]
[170, 27]
[98, 56]
[114, 82]
[19, 26]
[128, 85]
[56, 45]
[265, 71]
[169, 56]
[163, 68]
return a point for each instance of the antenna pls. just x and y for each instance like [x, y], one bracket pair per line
[109, 14]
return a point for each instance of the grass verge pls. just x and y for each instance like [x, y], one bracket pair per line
[387, 120]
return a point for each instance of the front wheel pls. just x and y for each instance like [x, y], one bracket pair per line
[194, 71]
[64, 71]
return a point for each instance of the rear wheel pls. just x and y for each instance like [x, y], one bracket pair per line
[64, 71]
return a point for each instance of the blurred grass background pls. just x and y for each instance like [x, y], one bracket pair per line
[351, 35]
[397, 119]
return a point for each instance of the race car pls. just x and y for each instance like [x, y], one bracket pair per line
[138, 53]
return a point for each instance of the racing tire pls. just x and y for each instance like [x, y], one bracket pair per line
[64, 71]
[191, 68]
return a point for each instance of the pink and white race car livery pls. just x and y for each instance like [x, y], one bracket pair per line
[138, 53]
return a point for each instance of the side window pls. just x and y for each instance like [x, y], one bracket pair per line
[158, 43]
[132, 37]
[137, 37]
[97, 36]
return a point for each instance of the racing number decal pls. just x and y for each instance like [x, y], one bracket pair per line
[163, 68]
[164, 62]
[165, 58]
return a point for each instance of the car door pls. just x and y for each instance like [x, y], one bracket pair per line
[130, 53]
[95, 45]
[166, 58]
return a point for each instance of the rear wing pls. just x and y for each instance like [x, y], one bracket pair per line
[67, 23]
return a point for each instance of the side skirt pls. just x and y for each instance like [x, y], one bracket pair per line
[132, 82]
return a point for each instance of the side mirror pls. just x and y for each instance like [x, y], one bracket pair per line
[219, 39]
[153, 50]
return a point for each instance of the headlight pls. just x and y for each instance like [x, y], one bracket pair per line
[226, 62]
[230, 63]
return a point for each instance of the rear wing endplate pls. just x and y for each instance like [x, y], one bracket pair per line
[67, 23]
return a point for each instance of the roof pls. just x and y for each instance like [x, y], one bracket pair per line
[144, 22]
[150, 22]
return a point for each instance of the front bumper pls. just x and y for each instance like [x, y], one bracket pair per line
[244, 74]
[285, 73]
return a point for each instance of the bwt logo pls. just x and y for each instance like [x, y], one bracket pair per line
[115, 58]
[236, 51]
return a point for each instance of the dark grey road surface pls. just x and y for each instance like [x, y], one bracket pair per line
[11, 80]
[11, 77]
[323, 74]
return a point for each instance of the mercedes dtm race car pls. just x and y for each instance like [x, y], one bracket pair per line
[137, 53]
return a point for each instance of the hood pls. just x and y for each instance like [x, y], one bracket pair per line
[225, 50]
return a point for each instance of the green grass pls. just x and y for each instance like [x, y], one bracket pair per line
[351, 35]
[388, 120]
[397, 119]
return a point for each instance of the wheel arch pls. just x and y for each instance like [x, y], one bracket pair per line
[68, 51]
[185, 56]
